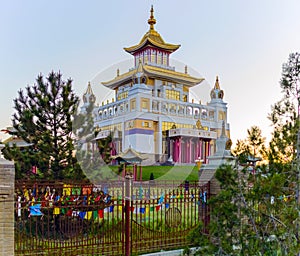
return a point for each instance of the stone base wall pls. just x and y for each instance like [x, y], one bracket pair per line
[7, 181]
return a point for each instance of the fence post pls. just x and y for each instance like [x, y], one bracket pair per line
[7, 181]
[128, 180]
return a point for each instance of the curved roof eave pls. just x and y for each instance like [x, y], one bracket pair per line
[149, 41]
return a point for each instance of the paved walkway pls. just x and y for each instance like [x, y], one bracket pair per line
[170, 253]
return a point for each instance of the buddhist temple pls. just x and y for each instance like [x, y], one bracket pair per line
[152, 112]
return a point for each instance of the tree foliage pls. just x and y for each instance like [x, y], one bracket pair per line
[285, 113]
[105, 147]
[43, 119]
[290, 81]
[92, 155]
[257, 213]
[250, 216]
[253, 145]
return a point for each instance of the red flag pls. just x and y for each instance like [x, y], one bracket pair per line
[101, 213]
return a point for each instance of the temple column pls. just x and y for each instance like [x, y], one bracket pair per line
[171, 149]
[200, 149]
[195, 152]
[208, 148]
[175, 151]
[190, 151]
[179, 150]
[134, 172]
[141, 173]
[206, 152]
[187, 148]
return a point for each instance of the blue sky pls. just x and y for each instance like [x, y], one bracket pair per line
[245, 43]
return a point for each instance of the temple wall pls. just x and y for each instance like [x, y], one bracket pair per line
[7, 180]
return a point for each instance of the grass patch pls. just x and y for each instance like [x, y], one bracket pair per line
[182, 173]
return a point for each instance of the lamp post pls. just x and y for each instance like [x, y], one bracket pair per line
[128, 184]
[199, 162]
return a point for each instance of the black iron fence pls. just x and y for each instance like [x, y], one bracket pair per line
[115, 218]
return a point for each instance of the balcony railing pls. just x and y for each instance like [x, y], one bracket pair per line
[190, 132]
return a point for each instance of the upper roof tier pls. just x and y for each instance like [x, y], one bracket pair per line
[154, 72]
[152, 38]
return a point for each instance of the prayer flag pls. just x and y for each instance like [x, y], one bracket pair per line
[111, 208]
[82, 215]
[69, 212]
[56, 211]
[88, 215]
[76, 191]
[35, 210]
[67, 189]
[100, 213]
[75, 213]
[161, 199]
[141, 193]
[136, 210]
[95, 215]
[147, 209]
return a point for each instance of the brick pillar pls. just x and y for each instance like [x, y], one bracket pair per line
[7, 181]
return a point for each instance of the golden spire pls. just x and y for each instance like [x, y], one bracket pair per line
[217, 86]
[89, 89]
[152, 37]
[152, 20]
[89, 96]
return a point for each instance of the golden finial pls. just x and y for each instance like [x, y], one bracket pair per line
[199, 125]
[185, 69]
[118, 72]
[217, 86]
[89, 89]
[152, 20]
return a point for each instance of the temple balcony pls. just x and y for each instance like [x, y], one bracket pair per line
[158, 105]
[190, 132]
[102, 134]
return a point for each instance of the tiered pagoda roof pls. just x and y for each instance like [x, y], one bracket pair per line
[152, 38]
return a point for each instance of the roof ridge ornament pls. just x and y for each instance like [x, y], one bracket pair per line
[89, 96]
[216, 92]
[140, 66]
[217, 85]
[151, 20]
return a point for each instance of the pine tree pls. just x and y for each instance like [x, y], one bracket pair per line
[43, 118]
[251, 147]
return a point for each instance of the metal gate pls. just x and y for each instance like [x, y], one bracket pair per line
[119, 218]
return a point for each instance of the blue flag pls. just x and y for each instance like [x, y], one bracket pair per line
[35, 210]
